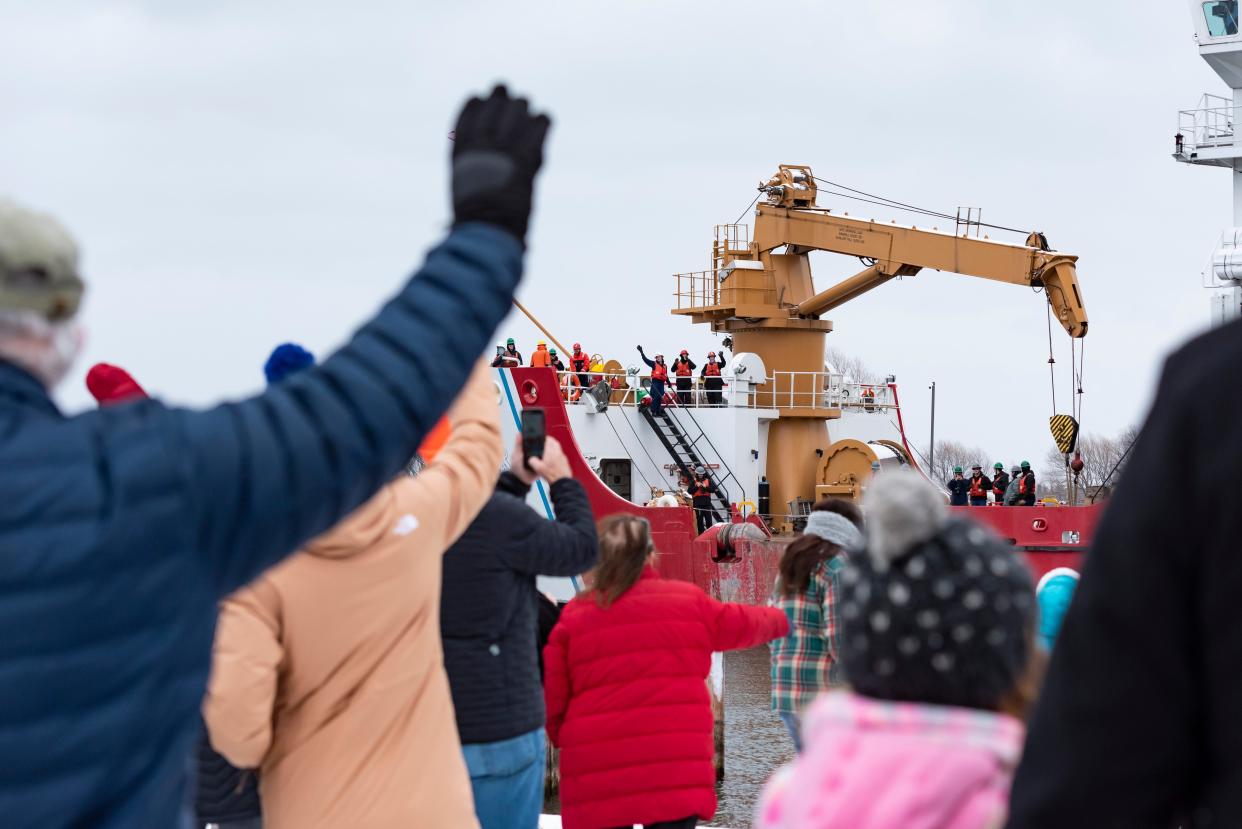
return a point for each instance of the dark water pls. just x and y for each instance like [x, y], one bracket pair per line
[755, 739]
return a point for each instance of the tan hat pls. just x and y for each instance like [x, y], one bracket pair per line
[38, 264]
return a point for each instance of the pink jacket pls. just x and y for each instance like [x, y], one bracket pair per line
[869, 764]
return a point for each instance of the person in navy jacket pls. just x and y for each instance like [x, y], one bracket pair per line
[121, 528]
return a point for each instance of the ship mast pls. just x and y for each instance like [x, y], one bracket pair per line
[1206, 135]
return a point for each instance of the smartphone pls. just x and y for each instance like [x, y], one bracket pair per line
[534, 430]
[500, 351]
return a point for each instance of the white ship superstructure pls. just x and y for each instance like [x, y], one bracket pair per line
[1207, 135]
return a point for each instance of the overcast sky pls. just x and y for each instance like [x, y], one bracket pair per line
[245, 173]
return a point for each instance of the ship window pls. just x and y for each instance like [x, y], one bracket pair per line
[1222, 17]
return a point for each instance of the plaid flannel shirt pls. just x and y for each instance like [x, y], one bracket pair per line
[804, 663]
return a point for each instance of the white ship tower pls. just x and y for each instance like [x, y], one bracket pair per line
[1207, 135]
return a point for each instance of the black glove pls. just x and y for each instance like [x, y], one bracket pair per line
[497, 149]
[640, 350]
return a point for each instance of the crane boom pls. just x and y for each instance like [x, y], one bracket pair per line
[898, 250]
[759, 291]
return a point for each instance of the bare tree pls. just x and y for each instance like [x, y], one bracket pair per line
[851, 366]
[951, 453]
[1101, 456]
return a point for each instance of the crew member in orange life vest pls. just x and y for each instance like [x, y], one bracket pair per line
[979, 486]
[1026, 486]
[659, 376]
[712, 381]
[581, 363]
[684, 369]
[1000, 483]
[541, 358]
[701, 492]
[507, 357]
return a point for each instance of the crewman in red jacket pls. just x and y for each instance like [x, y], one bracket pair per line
[683, 367]
[625, 682]
[581, 363]
[712, 381]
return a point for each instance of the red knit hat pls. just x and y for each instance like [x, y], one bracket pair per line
[112, 384]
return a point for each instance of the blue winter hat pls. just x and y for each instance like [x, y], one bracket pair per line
[1053, 594]
[285, 360]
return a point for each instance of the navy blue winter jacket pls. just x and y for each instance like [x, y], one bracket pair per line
[122, 527]
[488, 610]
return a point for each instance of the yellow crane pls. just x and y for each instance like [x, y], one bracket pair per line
[767, 302]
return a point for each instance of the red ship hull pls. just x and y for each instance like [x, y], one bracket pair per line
[1049, 537]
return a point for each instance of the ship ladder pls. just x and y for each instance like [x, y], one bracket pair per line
[681, 450]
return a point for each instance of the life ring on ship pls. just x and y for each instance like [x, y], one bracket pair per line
[753, 509]
[571, 388]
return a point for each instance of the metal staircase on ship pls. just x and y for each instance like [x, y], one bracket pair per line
[673, 430]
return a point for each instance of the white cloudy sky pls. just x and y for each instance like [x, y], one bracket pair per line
[245, 173]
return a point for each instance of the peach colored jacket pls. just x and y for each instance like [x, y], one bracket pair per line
[328, 673]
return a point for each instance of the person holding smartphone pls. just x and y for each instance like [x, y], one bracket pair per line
[489, 608]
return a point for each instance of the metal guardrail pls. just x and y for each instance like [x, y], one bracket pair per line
[782, 389]
[697, 289]
[1210, 125]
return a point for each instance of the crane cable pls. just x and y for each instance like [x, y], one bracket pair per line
[1052, 361]
[887, 202]
[753, 202]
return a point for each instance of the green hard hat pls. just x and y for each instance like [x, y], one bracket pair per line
[551, 350]
[1026, 464]
[998, 465]
[509, 341]
[956, 469]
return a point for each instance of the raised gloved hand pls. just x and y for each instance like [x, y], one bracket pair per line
[497, 149]
[640, 350]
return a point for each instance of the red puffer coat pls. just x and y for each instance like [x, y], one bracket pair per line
[628, 704]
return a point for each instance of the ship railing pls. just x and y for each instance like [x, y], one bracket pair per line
[1210, 125]
[780, 389]
[697, 289]
[823, 390]
[730, 240]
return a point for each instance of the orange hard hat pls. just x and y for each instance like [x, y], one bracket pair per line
[435, 440]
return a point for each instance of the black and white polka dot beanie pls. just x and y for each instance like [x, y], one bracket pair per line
[938, 609]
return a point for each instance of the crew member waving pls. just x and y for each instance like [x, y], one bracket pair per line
[659, 376]
[712, 381]
[684, 368]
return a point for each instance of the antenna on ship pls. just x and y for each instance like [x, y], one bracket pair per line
[1206, 135]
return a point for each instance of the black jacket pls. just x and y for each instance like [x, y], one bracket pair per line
[223, 794]
[1029, 498]
[958, 487]
[1000, 482]
[702, 490]
[488, 608]
[1137, 725]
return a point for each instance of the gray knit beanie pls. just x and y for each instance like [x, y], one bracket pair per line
[835, 528]
[939, 609]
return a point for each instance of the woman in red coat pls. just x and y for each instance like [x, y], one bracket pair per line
[626, 669]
